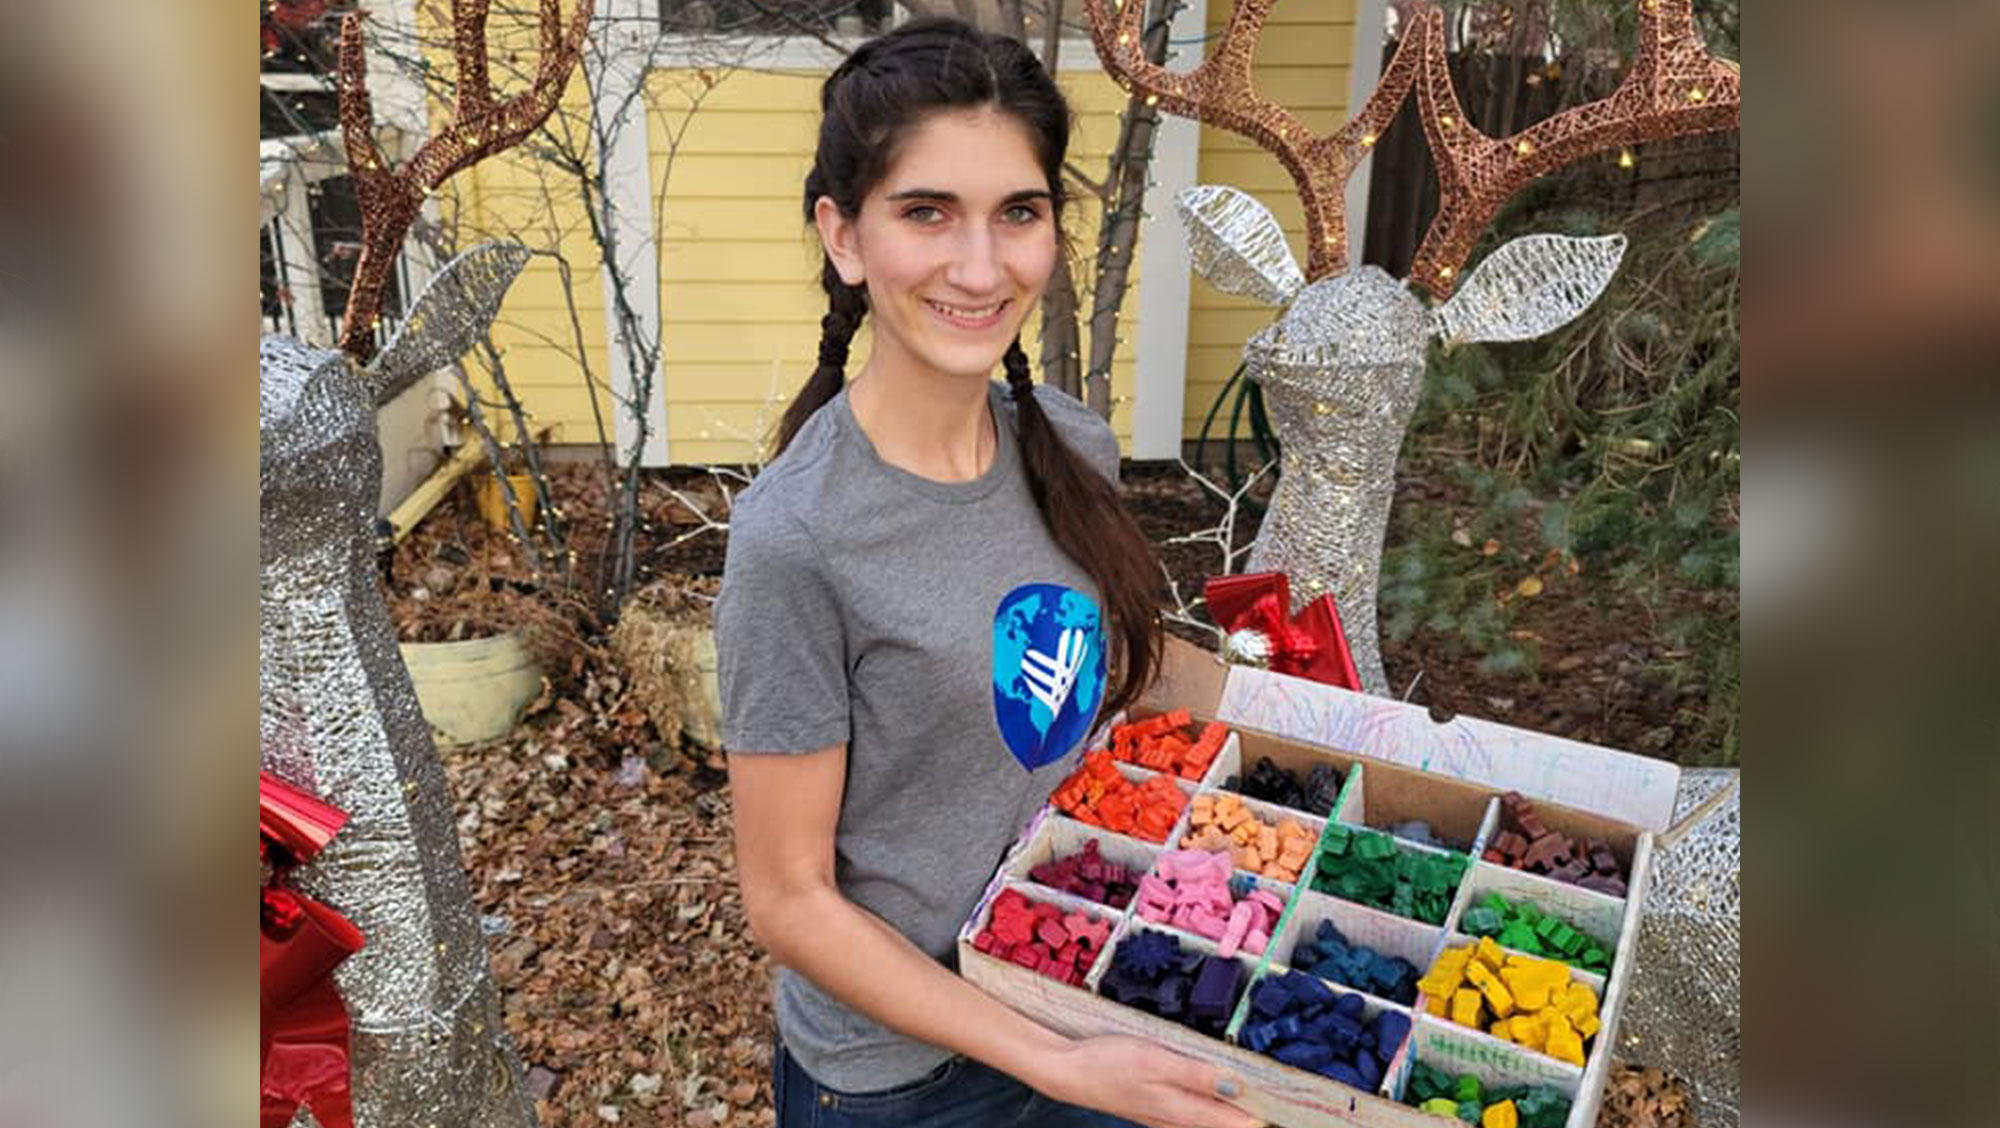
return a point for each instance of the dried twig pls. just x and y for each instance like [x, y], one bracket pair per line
[1223, 534]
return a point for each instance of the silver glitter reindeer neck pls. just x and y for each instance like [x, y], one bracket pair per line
[337, 717]
[1341, 372]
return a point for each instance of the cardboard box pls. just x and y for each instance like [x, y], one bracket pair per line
[1397, 763]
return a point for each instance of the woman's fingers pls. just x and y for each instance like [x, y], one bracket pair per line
[1155, 1086]
[1204, 1090]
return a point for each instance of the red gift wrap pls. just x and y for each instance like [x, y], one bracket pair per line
[1309, 644]
[304, 1053]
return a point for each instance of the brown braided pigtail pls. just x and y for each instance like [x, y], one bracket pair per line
[1090, 523]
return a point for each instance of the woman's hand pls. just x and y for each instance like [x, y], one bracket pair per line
[1140, 1081]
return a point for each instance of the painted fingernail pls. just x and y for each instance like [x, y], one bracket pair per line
[1228, 1089]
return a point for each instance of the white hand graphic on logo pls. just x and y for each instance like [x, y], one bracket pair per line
[1051, 679]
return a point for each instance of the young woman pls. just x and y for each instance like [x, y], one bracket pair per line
[920, 594]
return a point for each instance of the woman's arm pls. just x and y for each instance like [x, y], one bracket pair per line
[787, 808]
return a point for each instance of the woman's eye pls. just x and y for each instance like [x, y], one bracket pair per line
[924, 213]
[1022, 213]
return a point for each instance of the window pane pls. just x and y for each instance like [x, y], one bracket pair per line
[774, 17]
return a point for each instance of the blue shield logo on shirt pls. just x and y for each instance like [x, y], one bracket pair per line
[1048, 670]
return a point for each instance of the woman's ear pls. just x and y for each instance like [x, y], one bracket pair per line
[837, 235]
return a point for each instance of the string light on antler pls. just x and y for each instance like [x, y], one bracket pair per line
[1219, 91]
[1674, 87]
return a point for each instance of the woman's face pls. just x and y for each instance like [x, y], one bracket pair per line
[955, 244]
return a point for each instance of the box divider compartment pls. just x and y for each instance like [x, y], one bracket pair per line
[1584, 826]
[1233, 761]
[1487, 826]
[1599, 916]
[1370, 1008]
[1036, 892]
[1496, 1062]
[1270, 813]
[1241, 885]
[1229, 749]
[1353, 798]
[1457, 811]
[1597, 1066]
[1594, 1047]
[1189, 942]
[1363, 926]
[1312, 871]
[1060, 836]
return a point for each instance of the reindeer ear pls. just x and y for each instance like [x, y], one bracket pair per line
[1528, 287]
[450, 314]
[1237, 244]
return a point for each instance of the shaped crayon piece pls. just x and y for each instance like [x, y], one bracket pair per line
[1042, 937]
[1516, 1106]
[1296, 1019]
[1089, 875]
[1533, 1002]
[1328, 955]
[1152, 972]
[1169, 743]
[1275, 849]
[1527, 929]
[1265, 780]
[1525, 842]
[1190, 890]
[1099, 794]
[1368, 867]
[1420, 832]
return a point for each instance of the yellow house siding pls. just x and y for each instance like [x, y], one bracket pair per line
[1302, 62]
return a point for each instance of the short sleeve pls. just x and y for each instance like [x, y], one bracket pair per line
[1083, 429]
[780, 645]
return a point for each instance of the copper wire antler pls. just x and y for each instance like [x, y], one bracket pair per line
[1221, 93]
[1674, 88]
[480, 127]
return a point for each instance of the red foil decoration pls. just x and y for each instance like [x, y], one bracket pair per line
[302, 1023]
[1310, 644]
[294, 820]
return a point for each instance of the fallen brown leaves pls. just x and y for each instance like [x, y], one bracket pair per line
[630, 983]
[1636, 1097]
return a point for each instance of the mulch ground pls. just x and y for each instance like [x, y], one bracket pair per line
[632, 988]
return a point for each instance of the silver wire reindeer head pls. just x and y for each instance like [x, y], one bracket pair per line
[319, 459]
[1527, 287]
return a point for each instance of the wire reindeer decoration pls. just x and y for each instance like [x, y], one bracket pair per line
[337, 715]
[1342, 367]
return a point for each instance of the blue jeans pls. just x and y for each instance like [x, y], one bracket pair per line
[961, 1093]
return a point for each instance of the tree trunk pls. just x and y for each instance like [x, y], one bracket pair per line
[1131, 165]
[1061, 367]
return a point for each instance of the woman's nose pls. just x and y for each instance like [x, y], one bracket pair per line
[976, 267]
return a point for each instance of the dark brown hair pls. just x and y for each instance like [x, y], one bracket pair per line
[874, 96]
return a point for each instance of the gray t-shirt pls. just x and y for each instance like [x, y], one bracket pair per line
[905, 617]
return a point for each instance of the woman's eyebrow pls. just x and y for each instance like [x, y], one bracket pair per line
[941, 196]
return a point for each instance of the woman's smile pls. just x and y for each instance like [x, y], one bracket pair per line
[976, 318]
